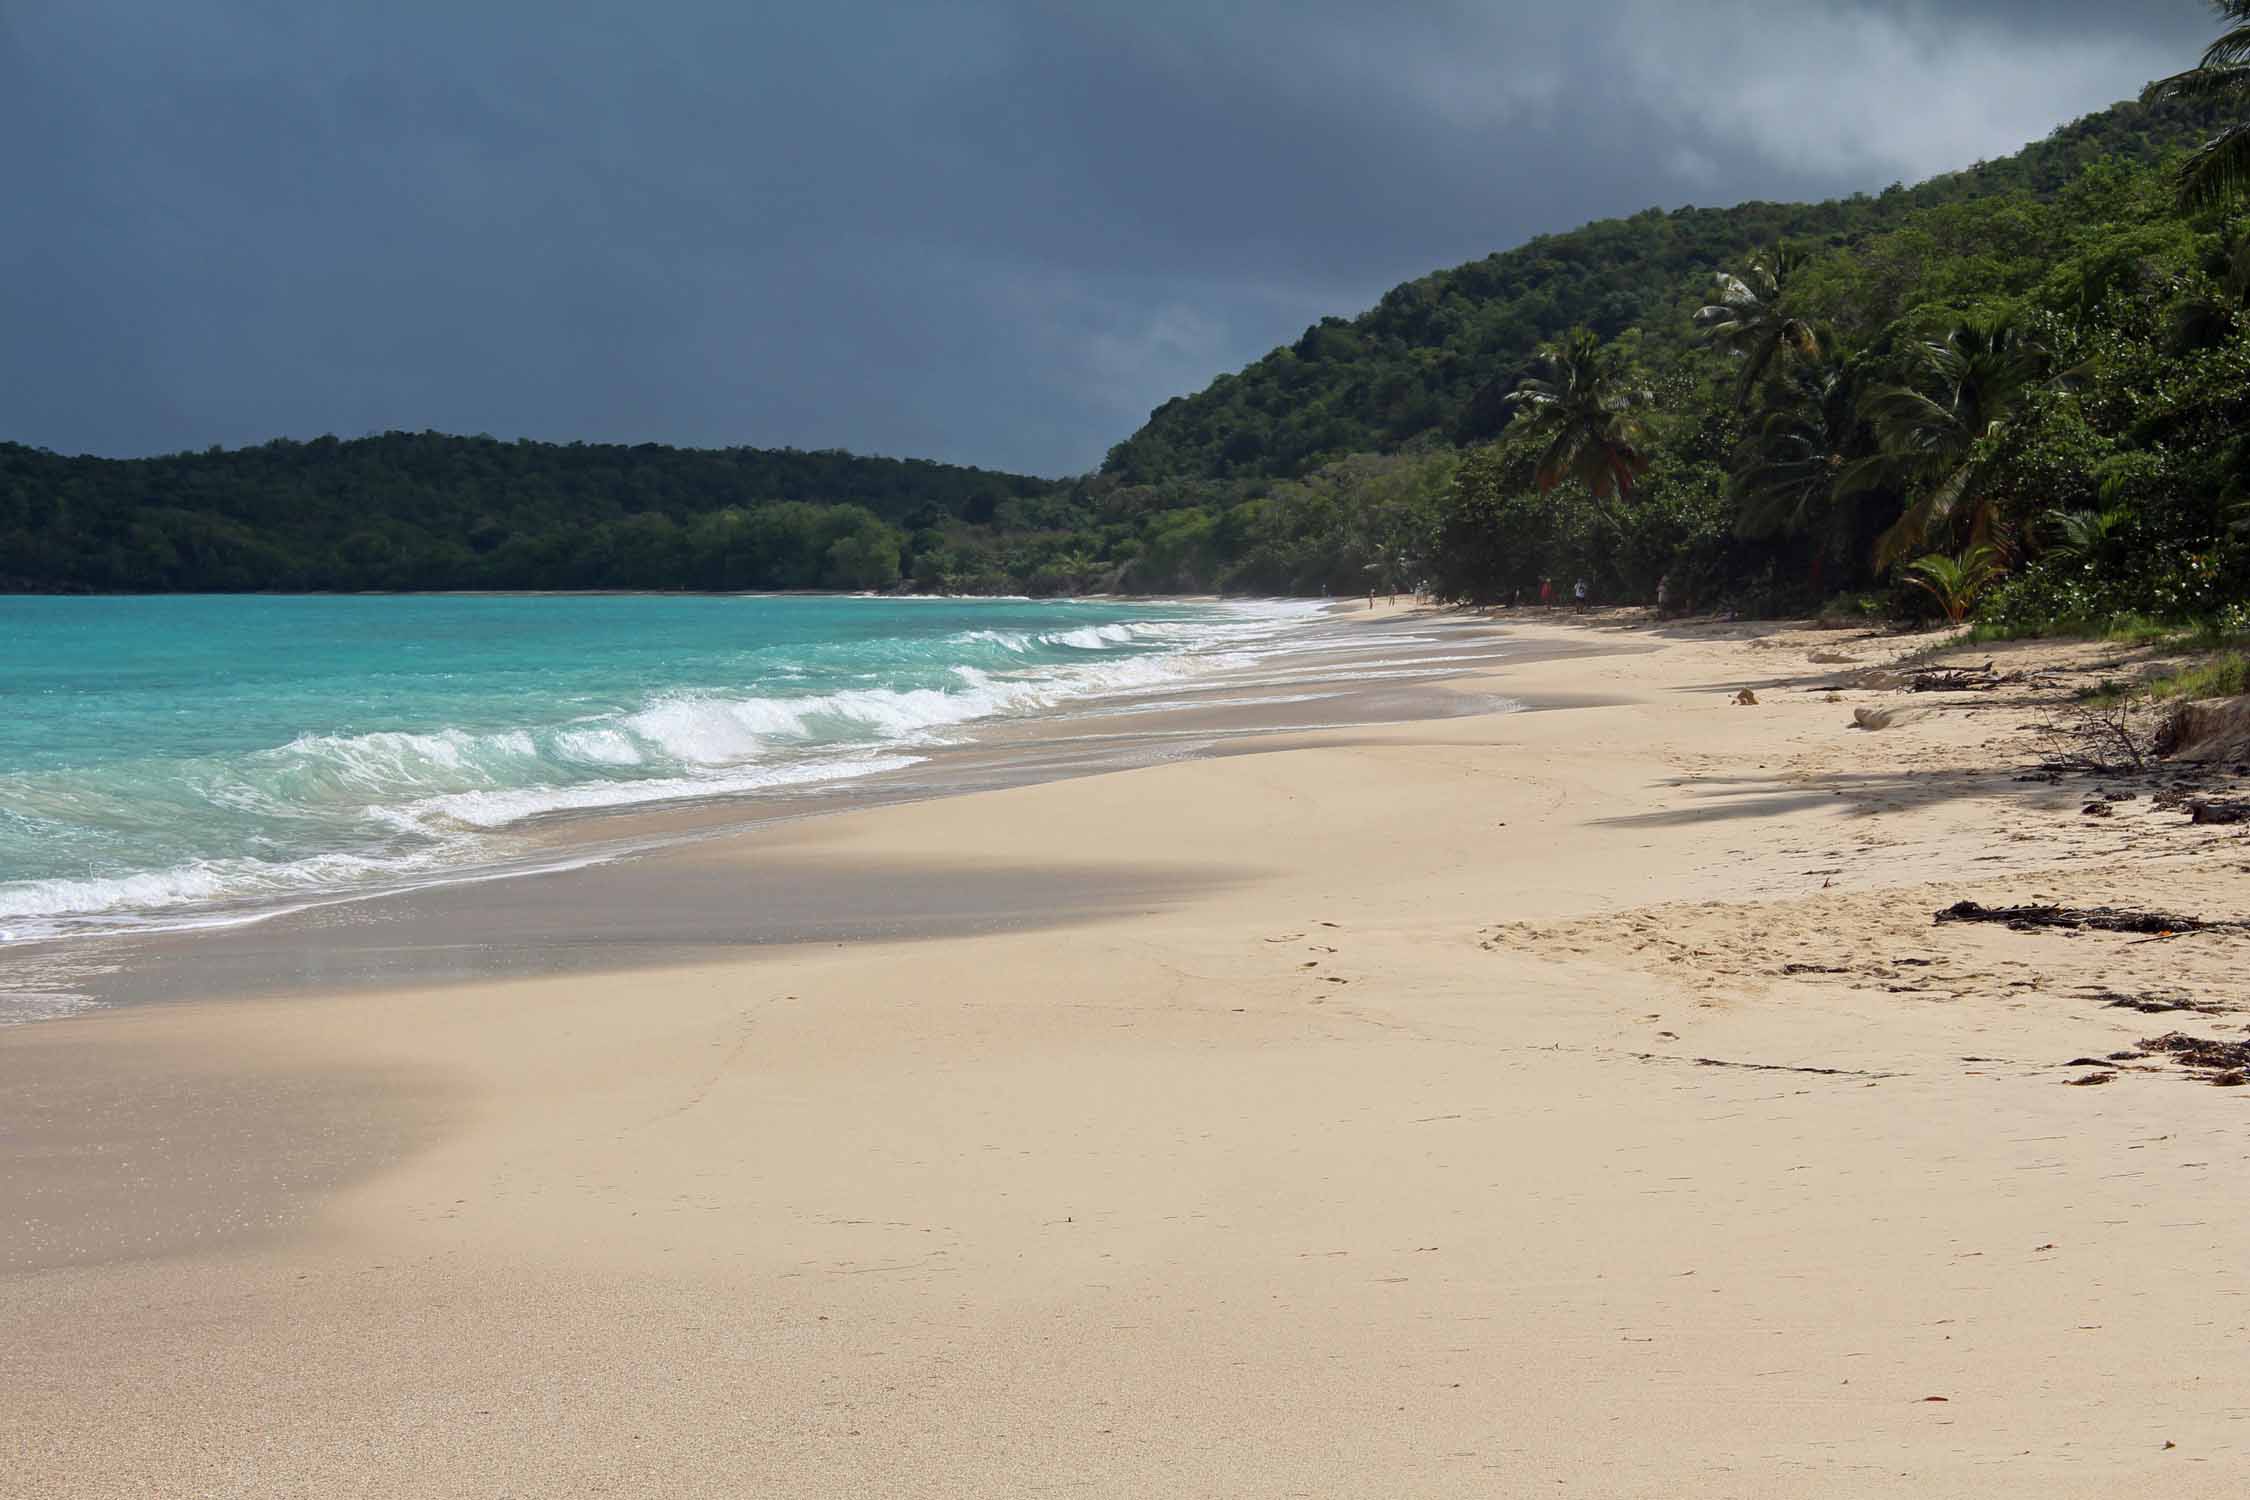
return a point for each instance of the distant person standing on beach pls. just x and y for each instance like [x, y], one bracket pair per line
[1546, 593]
[1579, 593]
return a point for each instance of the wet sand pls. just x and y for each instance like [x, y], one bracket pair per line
[147, 1143]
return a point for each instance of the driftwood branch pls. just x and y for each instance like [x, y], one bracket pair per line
[1974, 679]
[2105, 738]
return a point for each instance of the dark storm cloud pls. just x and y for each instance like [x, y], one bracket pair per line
[993, 232]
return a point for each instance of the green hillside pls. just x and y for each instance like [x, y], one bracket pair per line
[425, 510]
[1436, 356]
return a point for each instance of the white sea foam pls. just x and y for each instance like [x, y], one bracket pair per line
[599, 747]
[1006, 640]
[401, 807]
[1091, 637]
[499, 809]
[196, 882]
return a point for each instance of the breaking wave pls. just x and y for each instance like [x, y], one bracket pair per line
[174, 832]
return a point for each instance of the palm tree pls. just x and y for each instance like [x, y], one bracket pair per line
[1955, 582]
[1966, 388]
[1798, 455]
[2086, 533]
[2220, 169]
[1077, 566]
[1584, 408]
[1751, 320]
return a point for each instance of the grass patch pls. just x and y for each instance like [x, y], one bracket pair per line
[2124, 630]
[2225, 675]
[2140, 630]
[2042, 630]
[2213, 636]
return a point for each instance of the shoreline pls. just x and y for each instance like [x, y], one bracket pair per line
[1473, 1105]
[627, 773]
[594, 818]
[601, 864]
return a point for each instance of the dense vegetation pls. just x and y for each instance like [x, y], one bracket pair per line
[1439, 355]
[2042, 398]
[2019, 390]
[427, 511]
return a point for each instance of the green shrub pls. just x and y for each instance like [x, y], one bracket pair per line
[2223, 676]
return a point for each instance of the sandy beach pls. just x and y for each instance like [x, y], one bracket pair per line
[1572, 1101]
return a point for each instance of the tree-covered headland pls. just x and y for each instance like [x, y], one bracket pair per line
[2021, 390]
[429, 511]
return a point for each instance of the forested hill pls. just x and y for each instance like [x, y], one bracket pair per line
[2040, 363]
[1436, 357]
[427, 510]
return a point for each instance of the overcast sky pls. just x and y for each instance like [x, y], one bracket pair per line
[991, 231]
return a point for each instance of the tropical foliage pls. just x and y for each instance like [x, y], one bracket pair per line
[427, 511]
[1581, 410]
[1955, 582]
[2220, 169]
[1437, 356]
[1940, 432]
[1753, 320]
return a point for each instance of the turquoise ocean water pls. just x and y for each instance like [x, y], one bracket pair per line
[174, 761]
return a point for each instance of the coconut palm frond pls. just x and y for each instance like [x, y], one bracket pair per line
[1932, 513]
[1751, 320]
[2219, 171]
[1735, 298]
[1911, 423]
[2084, 533]
[2233, 45]
[1792, 473]
[1955, 582]
[2199, 85]
[1585, 407]
[1966, 387]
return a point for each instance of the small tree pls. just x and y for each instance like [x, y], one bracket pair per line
[1955, 582]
